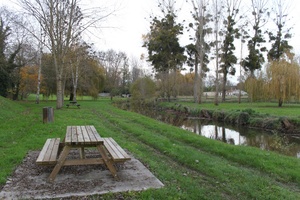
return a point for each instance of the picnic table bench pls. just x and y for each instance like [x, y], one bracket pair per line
[55, 152]
[73, 103]
[48, 155]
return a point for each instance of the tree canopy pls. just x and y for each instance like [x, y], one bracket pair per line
[165, 52]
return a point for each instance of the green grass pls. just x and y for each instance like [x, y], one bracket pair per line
[288, 110]
[190, 166]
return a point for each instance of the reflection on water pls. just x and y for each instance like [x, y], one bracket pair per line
[244, 136]
[229, 134]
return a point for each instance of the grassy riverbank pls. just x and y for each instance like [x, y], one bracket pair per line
[271, 109]
[267, 116]
[190, 166]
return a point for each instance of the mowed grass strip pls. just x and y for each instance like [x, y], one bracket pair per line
[216, 167]
[191, 167]
[247, 156]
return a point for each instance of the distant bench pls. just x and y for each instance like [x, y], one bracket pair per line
[73, 103]
[52, 147]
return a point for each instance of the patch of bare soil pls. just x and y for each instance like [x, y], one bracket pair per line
[29, 181]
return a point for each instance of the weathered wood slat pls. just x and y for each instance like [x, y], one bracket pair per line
[48, 154]
[91, 134]
[119, 149]
[43, 151]
[115, 149]
[88, 161]
[54, 150]
[85, 135]
[117, 153]
[80, 135]
[68, 138]
[96, 134]
[74, 135]
[109, 148]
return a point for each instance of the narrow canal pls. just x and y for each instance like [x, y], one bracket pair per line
[268, 141]
[244, 136]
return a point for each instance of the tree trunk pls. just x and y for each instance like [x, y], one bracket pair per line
[280, 102]
[196, 83]
[59, 93]
[224, 87]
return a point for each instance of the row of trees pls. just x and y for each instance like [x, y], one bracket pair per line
[51, 57]
[217, 28]
[56, 57]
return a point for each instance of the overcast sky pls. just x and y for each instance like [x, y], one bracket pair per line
[132, 20]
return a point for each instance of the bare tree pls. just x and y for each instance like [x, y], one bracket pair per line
[63, 22]
[201, 17]
[136, 71]
[113, 62]
[217, 9]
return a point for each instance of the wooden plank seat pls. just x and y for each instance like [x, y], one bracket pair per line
[115, 151]
[48, 155]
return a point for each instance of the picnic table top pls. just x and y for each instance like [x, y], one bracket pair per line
[82, 135]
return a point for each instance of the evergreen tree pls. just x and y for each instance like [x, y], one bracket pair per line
[164, 51]
[255, 58]
[228, 58]
[279, 41]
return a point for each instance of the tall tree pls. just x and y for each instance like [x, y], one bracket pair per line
[228, 58]
[200, 48]
[113, 63]
[279, 40]
[137, 71]
[164, 51]
[217, 10]
[4, 76]
[255, 58]
[63, 22]
[9, 64]
[75, 60]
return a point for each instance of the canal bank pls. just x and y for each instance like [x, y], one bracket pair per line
[238, 127]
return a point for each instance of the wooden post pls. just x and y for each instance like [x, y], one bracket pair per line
[48, 115]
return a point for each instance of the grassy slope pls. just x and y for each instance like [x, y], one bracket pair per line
[288, 110]
[190, 166]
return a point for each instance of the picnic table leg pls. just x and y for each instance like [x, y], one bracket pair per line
[81, 152]
[60, 162]
[108, 162]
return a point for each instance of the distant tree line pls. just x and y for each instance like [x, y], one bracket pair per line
[217, 26]
[46, 53]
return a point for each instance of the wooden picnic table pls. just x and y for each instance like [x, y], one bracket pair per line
[73, 103]
[81, 137]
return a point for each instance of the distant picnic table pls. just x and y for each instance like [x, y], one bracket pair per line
[73, 103]
[55, 152]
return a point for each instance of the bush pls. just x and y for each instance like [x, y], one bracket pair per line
[243, 118]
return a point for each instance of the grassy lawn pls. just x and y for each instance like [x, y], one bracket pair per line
[190, 166]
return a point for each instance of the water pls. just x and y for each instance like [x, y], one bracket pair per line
[244, 136]
[229, 134]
